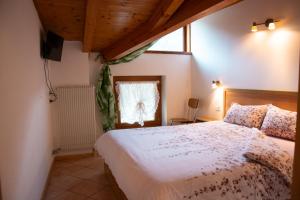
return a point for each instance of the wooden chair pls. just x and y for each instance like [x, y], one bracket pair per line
[193, 105]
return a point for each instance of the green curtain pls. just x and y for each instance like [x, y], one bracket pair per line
[104, 89]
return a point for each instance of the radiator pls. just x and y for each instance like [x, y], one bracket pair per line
[74, 119]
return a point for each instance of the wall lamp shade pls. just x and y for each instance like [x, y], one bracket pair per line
[269, 23]
[254, 27]
[215, 84]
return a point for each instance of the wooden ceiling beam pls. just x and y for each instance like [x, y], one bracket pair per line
[90, 25]
[163, 13]
[189, 11]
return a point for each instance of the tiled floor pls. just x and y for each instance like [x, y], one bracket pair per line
[79, 179]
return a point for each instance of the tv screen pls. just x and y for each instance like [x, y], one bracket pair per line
[53, 46]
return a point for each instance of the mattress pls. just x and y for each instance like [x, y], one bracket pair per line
[196, 161]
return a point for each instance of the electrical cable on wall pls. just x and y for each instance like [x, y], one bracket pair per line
[52, 94]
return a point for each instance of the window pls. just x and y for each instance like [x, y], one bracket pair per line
[138, 101]
[171, 42]
[177, 42]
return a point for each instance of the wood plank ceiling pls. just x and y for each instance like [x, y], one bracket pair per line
[117, 27]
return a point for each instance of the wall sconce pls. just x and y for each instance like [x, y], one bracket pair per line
[215, 84]
[254, 27]
[269, 23]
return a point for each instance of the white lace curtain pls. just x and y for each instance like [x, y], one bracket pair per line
[138, 101]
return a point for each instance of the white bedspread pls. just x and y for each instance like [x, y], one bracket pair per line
[198, 161]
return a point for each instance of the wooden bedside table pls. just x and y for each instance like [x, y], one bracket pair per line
[205, 119]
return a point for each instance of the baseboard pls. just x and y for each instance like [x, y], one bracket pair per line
[74, 152]
[74, 156]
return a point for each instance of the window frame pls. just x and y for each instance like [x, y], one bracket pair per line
[186, 44]
[158, 113]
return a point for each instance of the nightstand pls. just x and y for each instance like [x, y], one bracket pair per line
[205, 119]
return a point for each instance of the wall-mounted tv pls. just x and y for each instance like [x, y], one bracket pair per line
[52, 47]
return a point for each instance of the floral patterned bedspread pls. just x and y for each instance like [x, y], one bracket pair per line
[205, 161]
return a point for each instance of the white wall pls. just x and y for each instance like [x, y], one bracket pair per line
[25, 138]
[79, 68]
[225, 49]
[73, 68]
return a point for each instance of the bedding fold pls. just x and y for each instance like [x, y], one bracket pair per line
[271, 155]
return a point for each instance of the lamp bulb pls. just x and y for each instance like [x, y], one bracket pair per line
[271, 26]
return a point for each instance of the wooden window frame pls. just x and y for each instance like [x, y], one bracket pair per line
[186, 44]
[158, 114]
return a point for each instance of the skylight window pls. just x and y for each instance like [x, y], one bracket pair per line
[177, 42]
[171, 42]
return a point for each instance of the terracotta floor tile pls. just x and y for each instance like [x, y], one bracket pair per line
[53, 192]
[86, 188]
[85, 162]
[70, 196]
[59, 164]
[64, 182]
[70, 170]
[96, 164]
[100, 179]
[105, 194]
[79, 179]
[86, 173]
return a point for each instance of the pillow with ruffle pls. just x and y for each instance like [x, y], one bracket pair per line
[280, 123]
[251, 116]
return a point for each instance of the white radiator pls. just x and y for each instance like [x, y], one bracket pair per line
[74, 119]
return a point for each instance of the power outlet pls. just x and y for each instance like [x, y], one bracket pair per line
[218, 108]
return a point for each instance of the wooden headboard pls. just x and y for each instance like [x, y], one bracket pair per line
[285, 100]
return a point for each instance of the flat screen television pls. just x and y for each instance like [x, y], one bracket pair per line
[52, 47]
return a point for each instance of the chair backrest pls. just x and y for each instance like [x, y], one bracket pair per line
[193, 105]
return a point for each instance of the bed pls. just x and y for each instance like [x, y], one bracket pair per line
[197, 161]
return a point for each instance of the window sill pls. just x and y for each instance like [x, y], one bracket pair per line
[169, 52]
[136, 125]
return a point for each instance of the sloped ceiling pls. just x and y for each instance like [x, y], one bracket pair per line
[116, 27]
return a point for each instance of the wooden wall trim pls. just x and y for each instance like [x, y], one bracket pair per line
[296, 172]
[261, 92]
[169, 52]
[283, 99]
[187, 38]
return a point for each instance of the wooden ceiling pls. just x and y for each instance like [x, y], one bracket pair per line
[117, 27]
